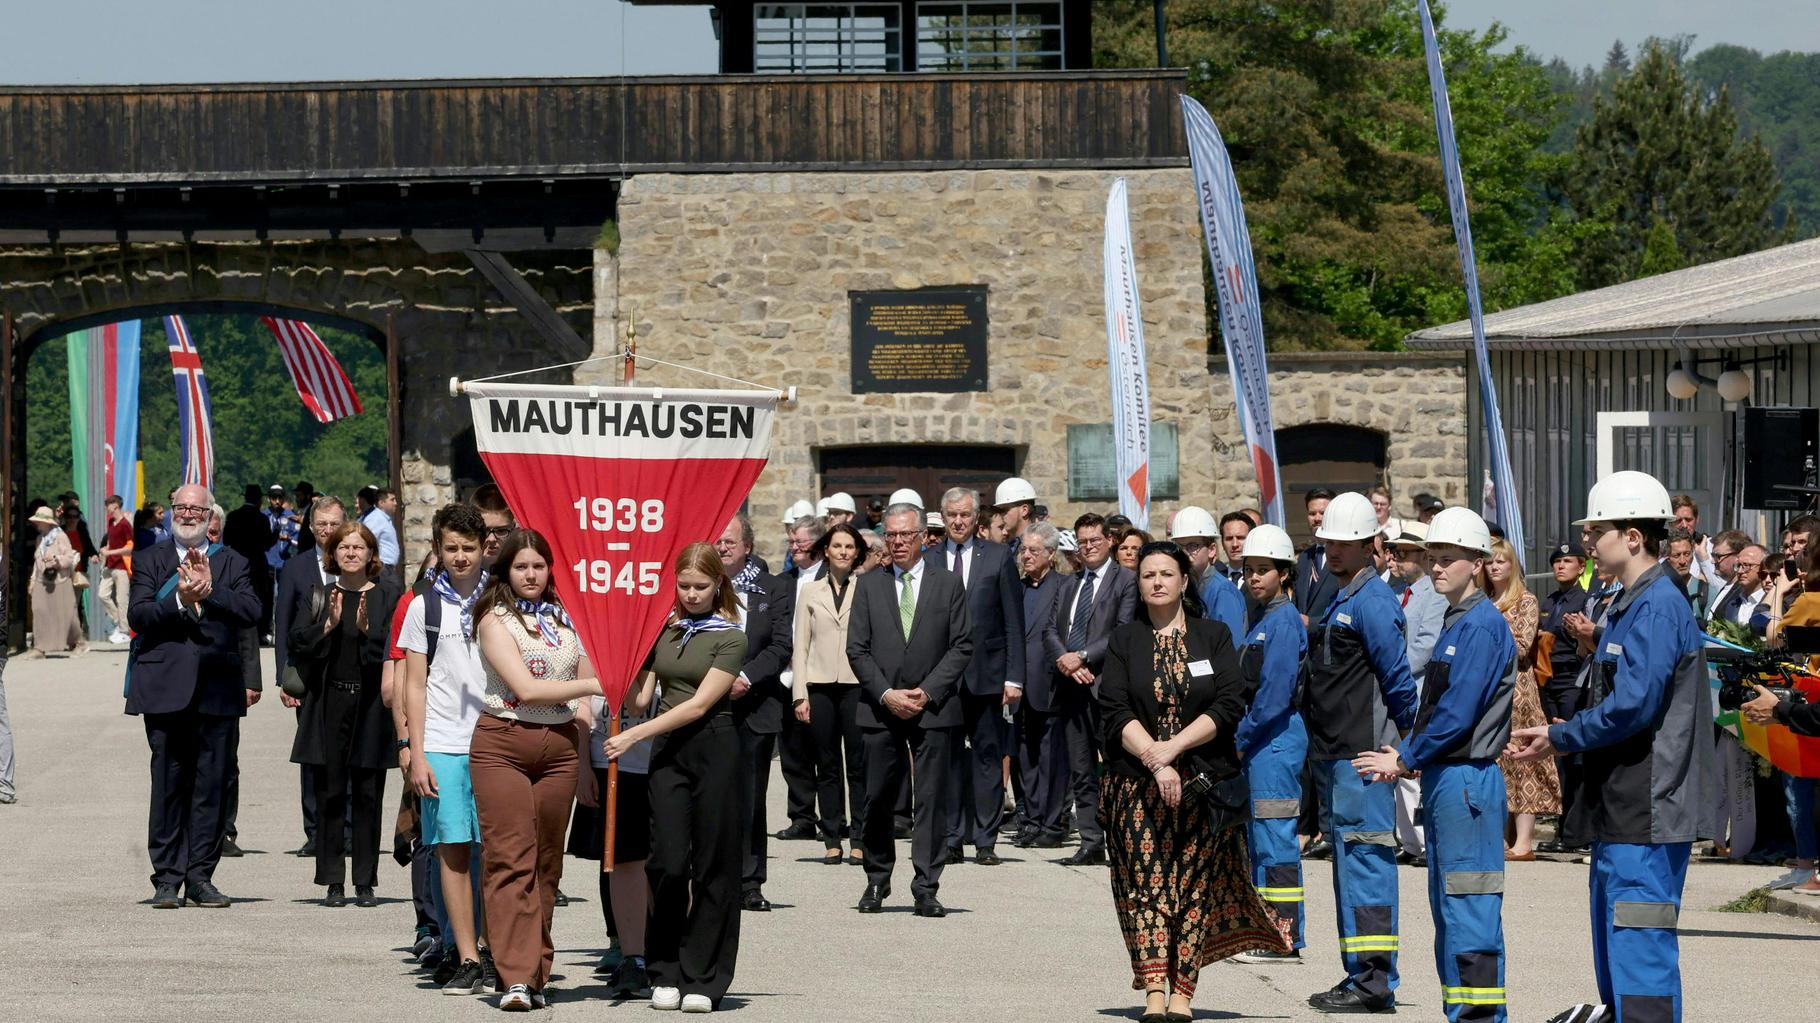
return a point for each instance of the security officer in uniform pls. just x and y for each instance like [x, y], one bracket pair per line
[1358, 694]
[1462, 727]
[1646, 775]
[1271, 737]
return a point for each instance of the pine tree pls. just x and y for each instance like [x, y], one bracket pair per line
[1661, 157]
[1617, 59]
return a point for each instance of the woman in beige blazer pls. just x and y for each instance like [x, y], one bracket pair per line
[826, 691]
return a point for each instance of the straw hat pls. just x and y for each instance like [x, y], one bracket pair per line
[43, 516]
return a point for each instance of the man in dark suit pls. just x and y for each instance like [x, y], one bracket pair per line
[249, 533]
[796, 744]
[1043, 751]
[296, 581]
[908, 641]
[760, 699]
[1315, 588]
[992, 682]
[1100, 599]
[189, 602]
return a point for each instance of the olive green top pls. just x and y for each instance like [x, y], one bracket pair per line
[679, 673]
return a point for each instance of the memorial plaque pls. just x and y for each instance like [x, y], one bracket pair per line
[930, 340]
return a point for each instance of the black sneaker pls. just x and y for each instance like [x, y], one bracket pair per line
[166, 896]
[561, 899]
[630, 980]
[489, 972]
[364, 897]
[231, 848]
[205, 894]
[336, 898]
[445, 970]
[469, 979]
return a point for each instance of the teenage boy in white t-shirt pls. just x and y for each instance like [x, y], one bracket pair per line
[442, 704]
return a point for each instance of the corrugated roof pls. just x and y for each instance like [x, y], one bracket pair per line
[1768, 297]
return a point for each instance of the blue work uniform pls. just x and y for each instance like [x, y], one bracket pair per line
[1358, 695]
[1273, 743]
[1225, 604]
[1645, 794]
[1461, 728]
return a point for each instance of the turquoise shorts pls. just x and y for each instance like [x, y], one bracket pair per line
[449, 818]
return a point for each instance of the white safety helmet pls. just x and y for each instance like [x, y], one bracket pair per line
[840, 500]
[1013, 490]
[933, 520]
[905, 496]
[1065, 541]
[1349, 516]
[821, 506]
[1627, 494]
[1193, 521]
[797, 511]
[1412, 533]
[1459, 527]
[1267, 541]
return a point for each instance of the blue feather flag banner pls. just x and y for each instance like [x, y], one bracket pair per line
[1509, 514]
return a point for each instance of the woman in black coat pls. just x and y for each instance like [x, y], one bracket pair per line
[1170, 698]
[344, 728]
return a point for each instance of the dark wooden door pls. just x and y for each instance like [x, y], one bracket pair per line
[871, 473]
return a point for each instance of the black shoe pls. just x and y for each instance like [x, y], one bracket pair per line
[1178, 1017]
[1319, 849]
[1085, 857]
[230, 848]
[336, 898]
[904, 830]
[987, 858]
[755, 902]
[1024, 837]
[489, 974]
[873, 901]
[165, 896]
[470, 979]
[206, 895]
[1042, 841]
[1345, 999]
[307, 849]
[953, 856]
[1550, 846]
[561, 899]
[929, 907]
[796, 832]
[446, 969]
[363, 896]
[630, 981]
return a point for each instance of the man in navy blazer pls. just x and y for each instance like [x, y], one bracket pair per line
[908, 642]
[189, 602]
[1315, 587]
[1043, 751]
[1099, 600]
[993, 679]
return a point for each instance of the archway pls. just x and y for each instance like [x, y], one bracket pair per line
[1336, 456]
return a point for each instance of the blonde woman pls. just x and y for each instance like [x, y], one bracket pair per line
[1531, 786]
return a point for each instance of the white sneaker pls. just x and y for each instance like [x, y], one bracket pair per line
[516, 999]
[1791, 879]
[666, 998]
[1584, 1013]
[118, 637]
[697, 1003]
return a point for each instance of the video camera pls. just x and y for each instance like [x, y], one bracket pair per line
[1740, 673]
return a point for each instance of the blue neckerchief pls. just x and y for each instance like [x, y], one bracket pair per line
[691, 626]
[548, 617]
[746, 579]
[446, 591]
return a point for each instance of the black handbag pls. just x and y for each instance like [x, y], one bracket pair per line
[1228, 798]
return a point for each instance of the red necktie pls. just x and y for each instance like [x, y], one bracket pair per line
[1405, 598]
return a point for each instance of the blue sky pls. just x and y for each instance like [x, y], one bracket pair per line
[269, 40]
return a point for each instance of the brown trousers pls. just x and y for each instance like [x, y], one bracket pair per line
[524, 785]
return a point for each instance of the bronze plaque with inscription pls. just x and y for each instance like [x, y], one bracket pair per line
[929, 340]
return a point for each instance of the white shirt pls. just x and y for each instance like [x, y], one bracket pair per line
[1749, 605]
[453, 698]
[381, 526]
[915, 576]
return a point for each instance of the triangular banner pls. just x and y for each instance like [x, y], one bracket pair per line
[620, 480]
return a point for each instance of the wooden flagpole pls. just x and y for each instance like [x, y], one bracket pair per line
[609, 800]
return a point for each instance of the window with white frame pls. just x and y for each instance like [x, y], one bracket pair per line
[964, 35]
[827, 37]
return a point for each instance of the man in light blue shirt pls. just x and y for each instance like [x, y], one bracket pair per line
[383, 505]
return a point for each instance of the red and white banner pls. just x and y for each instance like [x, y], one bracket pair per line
[1126, 362]
[620, 480]
[321, 383]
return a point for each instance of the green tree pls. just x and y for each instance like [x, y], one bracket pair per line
[1777, 97]
[1662, 156]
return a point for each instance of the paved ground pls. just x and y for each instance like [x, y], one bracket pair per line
[1027, 942]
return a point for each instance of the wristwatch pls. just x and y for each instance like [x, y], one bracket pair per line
[402, 744]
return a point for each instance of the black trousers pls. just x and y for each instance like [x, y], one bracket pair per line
[425, 872]
[692, 937]
[839, 758]
[1081, 731]
[333, 784]
[796, 756]
[1564, 702]
[306, 778]
[754, 777]
[230, 790]
[894, 752]
[192, 754]
[1043, 766]
[976, 779]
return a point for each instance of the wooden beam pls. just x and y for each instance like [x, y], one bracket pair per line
[518, 291]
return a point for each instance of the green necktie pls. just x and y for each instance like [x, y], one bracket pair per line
[906, 605]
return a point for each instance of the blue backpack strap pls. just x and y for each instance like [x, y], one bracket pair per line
[432, 617]
[132, 648]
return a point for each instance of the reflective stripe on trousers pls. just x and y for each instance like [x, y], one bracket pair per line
[1636, 901]
[1364, 876]
[1275, 775]
[1463, 809]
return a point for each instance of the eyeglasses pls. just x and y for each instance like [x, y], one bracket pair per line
[727, 545]
[903, 537]
[1190, 547]
[188, 510]
[500, 532]
[1089, 541]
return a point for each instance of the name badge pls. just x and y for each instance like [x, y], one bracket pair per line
[1343, 618]
[1450, 651]
[1614, 649]
[1259, 638]
[1200, 668]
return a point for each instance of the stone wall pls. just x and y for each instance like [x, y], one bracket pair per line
[748, 276]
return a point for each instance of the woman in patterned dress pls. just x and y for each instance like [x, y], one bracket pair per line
[1171, 695]
[1530, 786]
